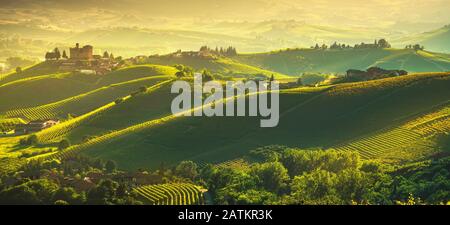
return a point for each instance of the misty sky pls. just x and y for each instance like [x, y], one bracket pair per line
[327, 12]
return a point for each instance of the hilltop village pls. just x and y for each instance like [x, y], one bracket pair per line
[82, 59]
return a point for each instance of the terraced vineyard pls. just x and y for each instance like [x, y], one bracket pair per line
[99, 140]
[238, 163]
[7, 124]
[85, 102]
[413, 135]
[10, 164]
[376, 85]
[172, 194]
[387, 142]
[62, 128]
[431, 124]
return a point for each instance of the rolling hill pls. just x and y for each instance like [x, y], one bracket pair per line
[221, 65]
[57, 90]
[297, 61]
[436, 40]
[325, 118]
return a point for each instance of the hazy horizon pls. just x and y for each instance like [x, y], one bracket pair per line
[132, 27]
[348, 13]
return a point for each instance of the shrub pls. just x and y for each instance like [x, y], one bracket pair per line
[118, 100]
[63, 144]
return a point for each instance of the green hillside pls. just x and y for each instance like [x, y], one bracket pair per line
[221, 65]
[56, 90]
[51, 88]
[32, 71]
[297, 61]
[153, 104]
[310, 118]
[436, 40]
[83, 103]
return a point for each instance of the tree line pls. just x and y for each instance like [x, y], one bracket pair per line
[229, 51]
[381, 43]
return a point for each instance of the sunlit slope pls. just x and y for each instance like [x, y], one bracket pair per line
[294, 62]
[414, 139]
[220, 65]
[83, 103]
[436, 40]
[58, 131]
[147, 106]
[309, 118]
[53, 89]
[32, 71]
[30, 92]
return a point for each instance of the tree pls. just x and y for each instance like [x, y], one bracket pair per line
[110, 166]
[68, 195]
[111, 56]
[272, 175]
[207, 76]
[299, 81]
[316, 187]
[64, 55]
[188, 71]
[48, 55]
[142, 89]
[21, 195]
[63, 144]
[32, 140]
[103, 193]
[187, 169]
[417, 47]
[34, 192]
[118, 100]
[271, 78]
[179, 74]
[105, 54]
[57, 53]
[204, 48]
[382, 43]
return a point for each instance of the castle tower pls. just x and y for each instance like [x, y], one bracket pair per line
[84, 53]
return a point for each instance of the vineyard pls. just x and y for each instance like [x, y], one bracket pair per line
[29, 92]
[368, 86]
[85, 102]
[62, 128]
[385, 143]
[114, 135]
[238, 163]
[172, 194]
[431, 124]
[10, 164]
[410, 138]
[7, 124]
[98, 140]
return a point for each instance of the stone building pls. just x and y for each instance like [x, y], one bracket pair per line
[35, 126]
[84, 53]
